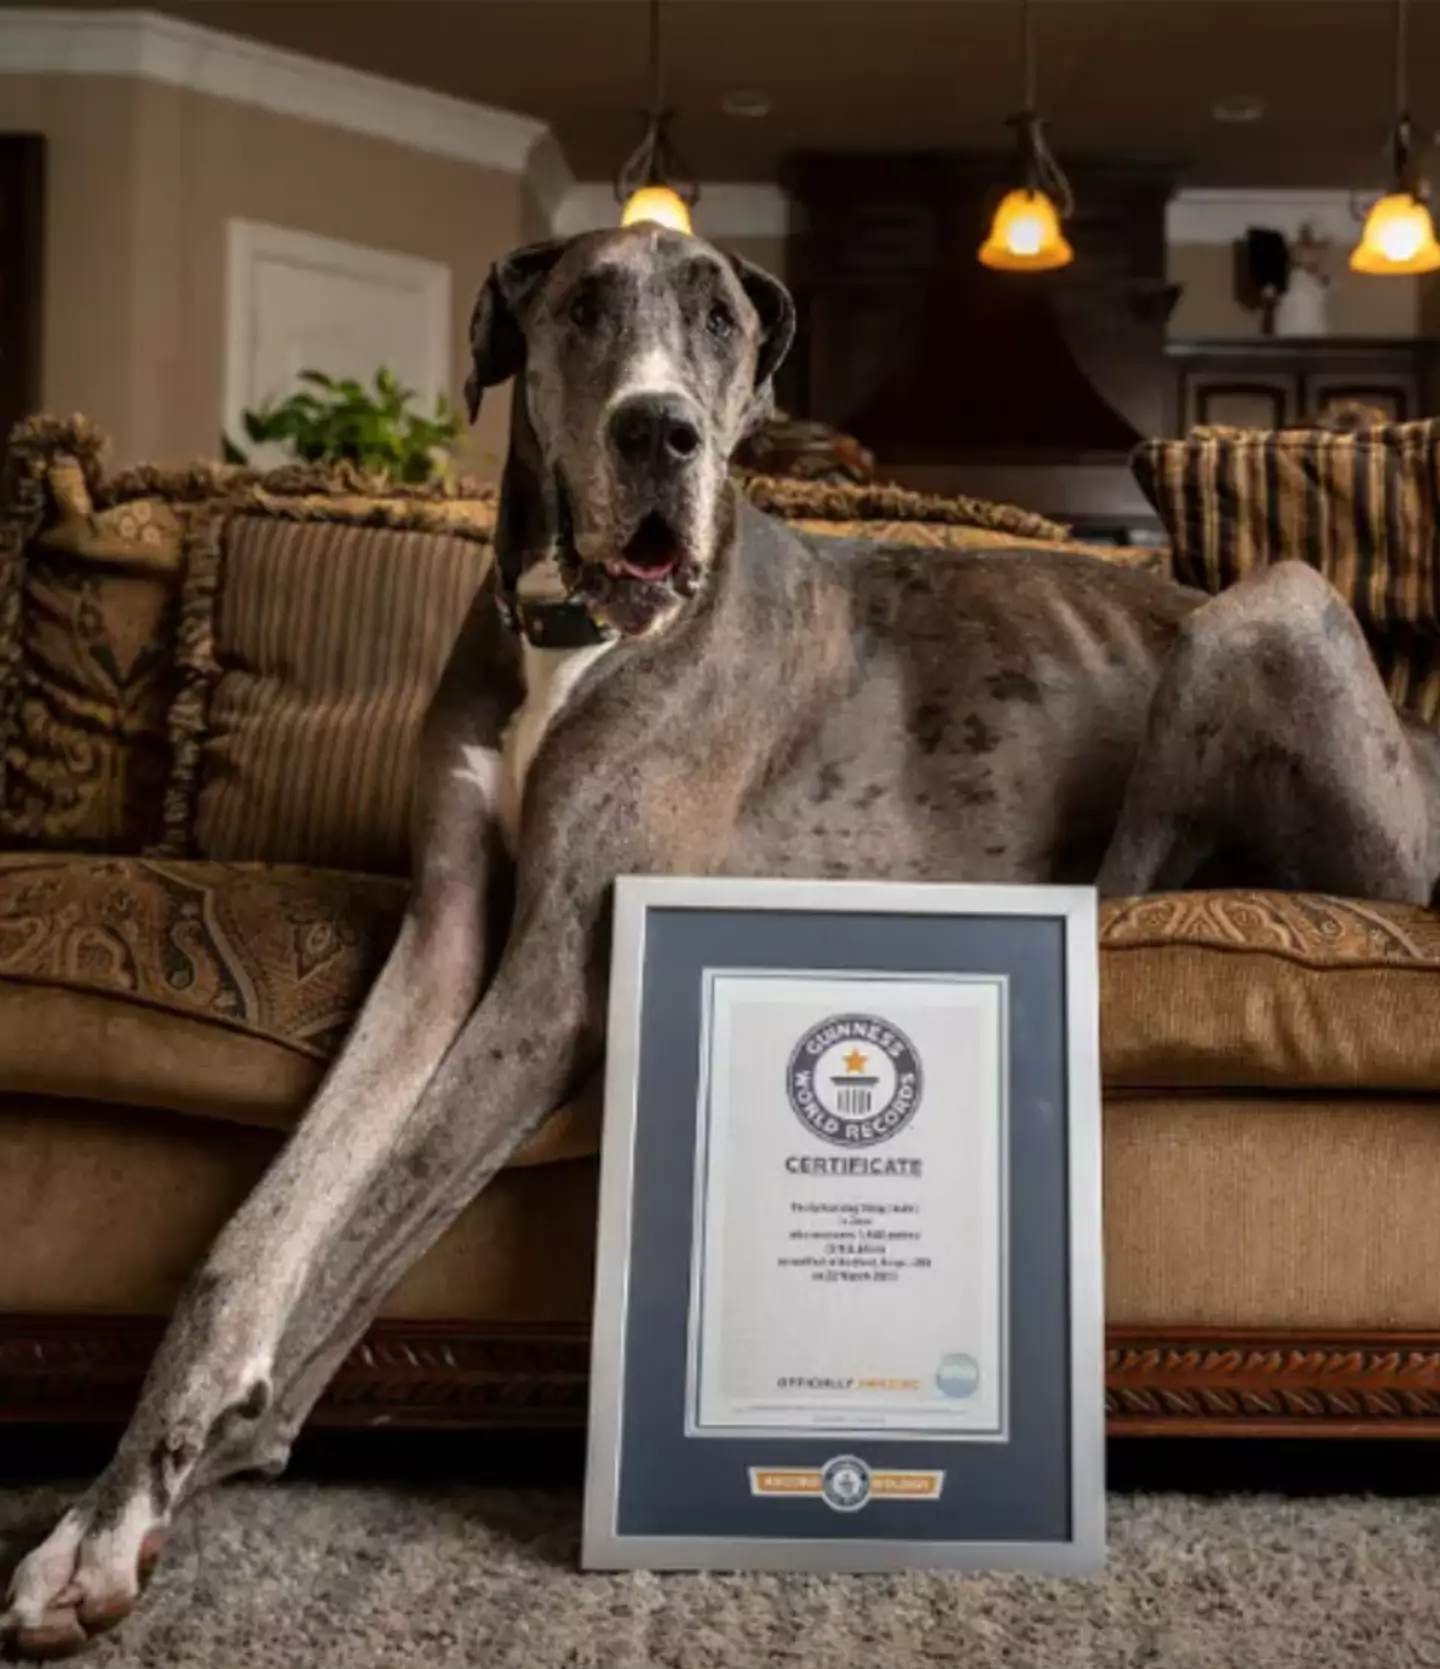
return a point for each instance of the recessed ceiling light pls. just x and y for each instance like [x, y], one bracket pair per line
[746, 101]
[1242, 107]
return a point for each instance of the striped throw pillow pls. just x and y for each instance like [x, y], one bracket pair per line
[1362, 507]
[312, 637]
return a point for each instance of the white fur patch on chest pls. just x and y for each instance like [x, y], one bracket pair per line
[550, 679]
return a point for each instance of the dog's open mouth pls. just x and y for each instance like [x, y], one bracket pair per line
[652, 552]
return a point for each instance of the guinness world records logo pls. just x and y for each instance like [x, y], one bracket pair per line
[845, 1484]
[854, 1080]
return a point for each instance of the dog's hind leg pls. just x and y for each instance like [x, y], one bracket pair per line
[1271, 742]
[230, 1352]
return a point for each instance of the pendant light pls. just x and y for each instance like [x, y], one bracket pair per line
[1399, 234]
[652, 182]
[1025, 235]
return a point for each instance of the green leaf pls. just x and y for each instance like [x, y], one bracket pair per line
[231, 453]
[377, 428]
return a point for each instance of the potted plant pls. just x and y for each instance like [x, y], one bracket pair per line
[336, 419]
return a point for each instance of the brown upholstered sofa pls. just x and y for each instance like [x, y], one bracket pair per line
[209, 682]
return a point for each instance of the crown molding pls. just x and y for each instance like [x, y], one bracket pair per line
[727, 209]
[149, 46]
[152, 47]
[1223, 216]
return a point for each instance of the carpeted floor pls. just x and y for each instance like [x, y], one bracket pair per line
[320, 1575]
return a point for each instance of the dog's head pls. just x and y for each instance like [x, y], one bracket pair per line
[642, 357]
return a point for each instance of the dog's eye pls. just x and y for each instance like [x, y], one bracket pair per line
[584, 311]
[720, 321]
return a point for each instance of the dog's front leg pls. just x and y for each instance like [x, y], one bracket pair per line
[206, 1408]
[526, 1049]
[386, 1201]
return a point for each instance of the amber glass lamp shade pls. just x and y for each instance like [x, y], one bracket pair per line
[1399, 238]
[657, 203]
[1025, 235]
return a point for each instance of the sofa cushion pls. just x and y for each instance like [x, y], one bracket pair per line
[1257, 990]
[223, 990]
[108, 1211]
[802, 449]
[892, 515]
[313, 635]
[1309, 1211]
[87, 609]
[218, 990]
[1223, 1211]
[846, 503]
[1361, 506]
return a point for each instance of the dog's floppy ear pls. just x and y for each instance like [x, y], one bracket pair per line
[772, 301]
[497, 342]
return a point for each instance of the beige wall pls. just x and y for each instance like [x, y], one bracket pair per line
[1358, 306]
[142, 180]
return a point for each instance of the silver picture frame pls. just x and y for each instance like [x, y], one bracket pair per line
[1075, 1453]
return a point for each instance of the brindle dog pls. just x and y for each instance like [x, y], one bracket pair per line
[694, 688]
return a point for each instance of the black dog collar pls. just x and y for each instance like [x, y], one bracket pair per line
[566, 625]
[548, 625]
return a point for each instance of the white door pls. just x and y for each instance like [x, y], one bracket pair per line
[297, 302]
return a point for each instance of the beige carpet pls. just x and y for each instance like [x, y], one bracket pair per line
[325, 1576]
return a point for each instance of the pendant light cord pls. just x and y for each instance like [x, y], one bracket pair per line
[1402, 91]
[645, 165]
[654, 160]
[1042, 171]
[1403, 161]
[657, 83]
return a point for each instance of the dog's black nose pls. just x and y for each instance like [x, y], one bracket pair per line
[655, 429]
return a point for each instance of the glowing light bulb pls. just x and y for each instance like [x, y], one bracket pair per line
[657, 203]
[1025, 235]
[1399, 237]
[1402, 238]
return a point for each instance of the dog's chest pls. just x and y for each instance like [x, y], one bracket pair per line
[550, 679]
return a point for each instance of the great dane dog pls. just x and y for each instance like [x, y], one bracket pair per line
[656, 677]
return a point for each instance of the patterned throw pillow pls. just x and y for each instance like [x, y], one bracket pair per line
[86, 628]
[897, 516]
[803, 450]
[1361, 506]
[313, 634]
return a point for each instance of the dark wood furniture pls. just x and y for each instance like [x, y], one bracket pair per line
[1277, 382]
[1028, 387]
[435, 1375]
[22, 232]
[1033, 388]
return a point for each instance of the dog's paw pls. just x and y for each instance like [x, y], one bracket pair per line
[83, 1580]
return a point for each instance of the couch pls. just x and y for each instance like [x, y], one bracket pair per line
[209, 680]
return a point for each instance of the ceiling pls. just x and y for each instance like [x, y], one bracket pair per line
[1132, 77]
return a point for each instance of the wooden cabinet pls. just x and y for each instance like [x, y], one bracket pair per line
[1276, 383]
[1031, 387]
[931, 359]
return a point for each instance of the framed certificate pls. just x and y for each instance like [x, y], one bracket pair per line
[848, 1295]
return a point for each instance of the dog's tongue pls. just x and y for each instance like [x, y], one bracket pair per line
[651, 552]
